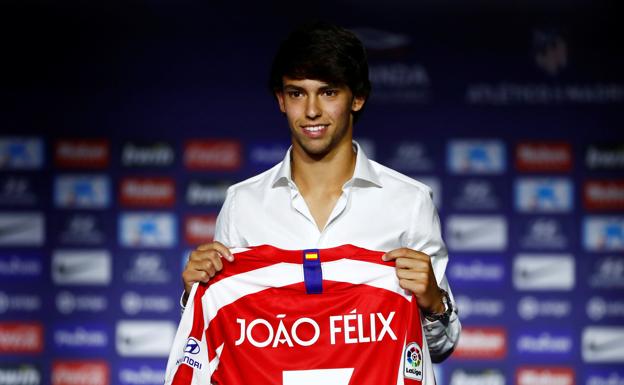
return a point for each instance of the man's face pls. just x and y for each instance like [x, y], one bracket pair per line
[319, 114]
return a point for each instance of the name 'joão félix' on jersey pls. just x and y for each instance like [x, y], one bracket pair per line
[352, 328]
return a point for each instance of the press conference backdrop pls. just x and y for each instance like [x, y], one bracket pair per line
[126, 126]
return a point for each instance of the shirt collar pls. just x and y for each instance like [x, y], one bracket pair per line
[364, 171]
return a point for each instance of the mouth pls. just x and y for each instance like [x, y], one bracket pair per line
[314, 131]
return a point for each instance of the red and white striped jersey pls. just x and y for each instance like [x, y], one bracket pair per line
[301, 317]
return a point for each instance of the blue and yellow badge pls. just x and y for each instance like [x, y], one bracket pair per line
[312, 273]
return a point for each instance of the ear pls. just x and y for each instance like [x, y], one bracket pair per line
[357, 103]
[279, 95]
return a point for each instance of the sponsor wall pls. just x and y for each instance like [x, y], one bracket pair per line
[526, 164]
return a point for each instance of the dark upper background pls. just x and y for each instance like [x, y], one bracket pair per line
[199, 67]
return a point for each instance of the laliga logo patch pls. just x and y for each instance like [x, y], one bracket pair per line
[413, 365]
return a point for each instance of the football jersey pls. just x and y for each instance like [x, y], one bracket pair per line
[301, 317]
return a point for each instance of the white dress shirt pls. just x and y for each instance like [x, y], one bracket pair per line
[379, 209]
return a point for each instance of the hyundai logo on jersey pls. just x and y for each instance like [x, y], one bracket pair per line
[192, 346]
[21, 153]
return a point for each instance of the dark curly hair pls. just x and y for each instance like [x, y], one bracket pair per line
[322, 51]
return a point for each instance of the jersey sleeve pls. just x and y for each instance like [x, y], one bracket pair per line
[189, 360]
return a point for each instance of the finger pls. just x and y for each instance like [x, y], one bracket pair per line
[410, 263]
[223, 250]
[412, 275]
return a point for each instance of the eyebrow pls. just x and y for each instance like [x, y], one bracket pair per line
[291, 87]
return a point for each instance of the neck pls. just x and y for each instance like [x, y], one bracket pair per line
[327, 172]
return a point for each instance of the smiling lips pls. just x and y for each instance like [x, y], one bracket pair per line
[315, 131]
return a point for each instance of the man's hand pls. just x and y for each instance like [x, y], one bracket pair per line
[415, 274]
[203, 263]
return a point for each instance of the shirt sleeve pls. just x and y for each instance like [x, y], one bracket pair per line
[425, 235]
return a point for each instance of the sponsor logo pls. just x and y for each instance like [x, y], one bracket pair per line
[530, 308]
[148, 229]
[133, 303]
[21, 337]
[545, 343]
[607, 273]
[80, 373]
[543, 272]
[152, 192]
[551, 195]
[144, 338]
[604, 195]
[146, 267]
[141, 374]
[603, 344]
[476, 377]
[413, 365]
[19, 267]
[479, 307]
[68, 303]
[22, 229]
[411, 157]
[543, 233]
[157, 154]
[199, 228]
[17, 191]
[487, 233]
[401, 82]
[544, 156]
[603, 233]
[605, 156]
[82, 153]
[82, 191]
[82, 229]
[263, 155]
[476, 157]
[206, 193]
[598, 308]
[544, 376]
[21, 153]
[476, 194]
[604, 377]
[216, 155]
[481, 343]
[22, 374]
[80, 337]
[476, 271]
[81, 267]
[24, 303]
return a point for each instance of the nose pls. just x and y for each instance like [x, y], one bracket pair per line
[313, 109]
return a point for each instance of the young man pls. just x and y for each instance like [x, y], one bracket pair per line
[326, 193]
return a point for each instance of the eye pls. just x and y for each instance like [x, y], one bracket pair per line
[294, 94]
[330, 92]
